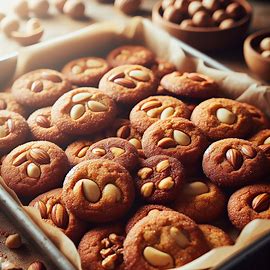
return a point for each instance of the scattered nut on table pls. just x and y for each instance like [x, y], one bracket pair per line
[75, 9]
[21, 8]
[13, 241]
[9, 24]
[127, 6]
[39, 7]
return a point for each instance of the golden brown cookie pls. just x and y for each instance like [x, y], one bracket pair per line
[249, 203]
[163, 240]
[261, 138]
[234, 162]
[155, 108]
[221, 118]
[201, 200]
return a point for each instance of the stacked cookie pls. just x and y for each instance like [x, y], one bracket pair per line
[137, 154]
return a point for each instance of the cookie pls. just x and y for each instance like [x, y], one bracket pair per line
[234, 162]
[154, 108]
[261, 138]
[159, 179]
[83, 111]
[40, 88]
[176, 137]
[102, 249]
[221, 118]
[162, 68]
[42, 129]
[76, 151]
[143, 212]
[53, 211]
[215, 237]
[192, 85]
[131, 55]
[98, 190]
[7, 102]
[34, 168]
[129, 84]
[115, 149]
[14, 130]
[249, 203]
[201, 200]
[163, 240]
[86, 71]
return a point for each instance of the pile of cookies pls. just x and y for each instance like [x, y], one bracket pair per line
[133, 160]
[206, 13]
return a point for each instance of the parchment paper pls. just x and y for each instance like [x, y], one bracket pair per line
[99, 40]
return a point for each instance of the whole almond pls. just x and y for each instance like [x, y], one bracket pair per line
[20, 159]
[43, 121]
[147, 189]
[39, 155]
[267, 140]
[33, 170]
[139, 75]
[235, 158]
[3, 104]
[82, 152]
[13, 241]
[98, 151]
[96, 106]
[150, 105]
[261, 202]
[77, 111]
[179, 237]
[125, 82]
[37, 86]
[153, 113]
[41, 206]
[225, 116]
[181, 137]
[81, 97]
[10, 125]
[90, 190]
[117, 151]
[37, 266]
[166, 183]
[163, 165]
[248, 151]
[109, 262]
[195, 188]
[135, 142]
[59, 216]
[111, 193]
[144, 173]
[123, 132]
[116, 76]
[166, 143]
[168, 112]
[51, 77]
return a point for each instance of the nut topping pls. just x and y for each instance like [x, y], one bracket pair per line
[125, 82]
[111, 193]
[195, 189]
[169, 111]
[179, 237]
[181, 138]
[135, 142]
[37, 86]
[77, 111]
[139, 75]
[20, 159]
[158, 258]
[163, 165]
[76, 69]
[89, 188]
[261, 202]
[116, 76]
[235, 158]
[248, 151]
[33, 170]
[82, 152]
[166, 142]
[98, 151]
[150, 105]
[13, 241]
[117, 151]
[39, 156]
[109, 262]
[225, 116]
[96, 106]
[267, 141]
[153, 113]
[91, 63]
[59, 216]
[144, 173]
[81, 97]
[41, 206]
[10, 125]
[166, 183]
[123, 132]
[147, 189]
[43, 121]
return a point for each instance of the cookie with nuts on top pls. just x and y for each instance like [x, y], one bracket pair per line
[234, 162]
[40, 88]
[159, 179]
[144, 211]
[116, 149]
[14, 130]
[163, 240]
[34, 167]
[102, 248]
[42, 129]
[261, 138]
[221, 118]
[162, 68]
[83, 111]
[8, 102]
[215, 237]
[192, 85]
[249, 203]
[54, 212]
[131, 55]
[98, 190]
[129, 84]
[153, 108]
[86, 71]
[176, 137]
[201, 200]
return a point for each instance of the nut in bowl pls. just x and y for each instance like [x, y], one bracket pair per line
[208, 25]
[257, 53]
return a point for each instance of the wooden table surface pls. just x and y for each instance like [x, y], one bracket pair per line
[58, 24]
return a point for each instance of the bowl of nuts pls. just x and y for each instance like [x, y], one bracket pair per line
[257, 53]
[208, 25]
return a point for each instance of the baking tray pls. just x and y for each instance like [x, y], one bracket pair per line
[10, 206]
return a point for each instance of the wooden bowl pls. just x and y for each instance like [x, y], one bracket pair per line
[207, 38]
[256, 63]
